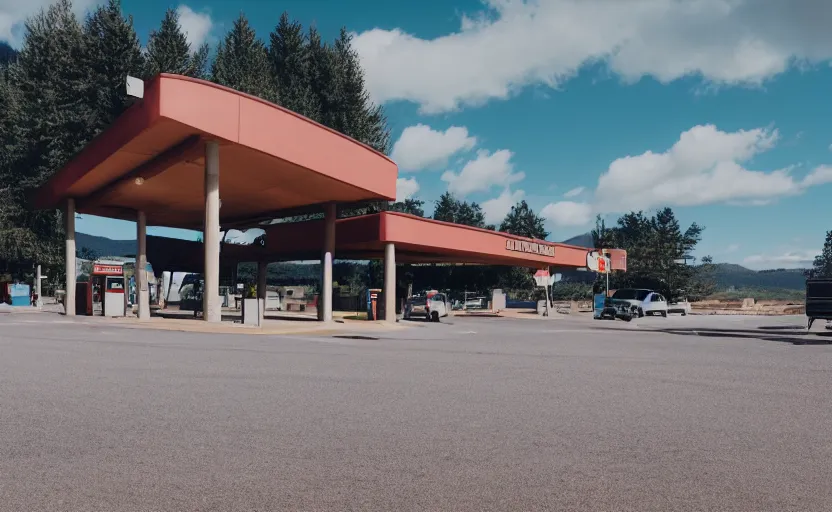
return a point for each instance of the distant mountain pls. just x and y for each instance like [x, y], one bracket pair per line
[7, 53]
[103, 247]
[729, 275]
[726, 275]
[584, 240]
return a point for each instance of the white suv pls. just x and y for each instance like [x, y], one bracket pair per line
[646, 302]
[431, 306]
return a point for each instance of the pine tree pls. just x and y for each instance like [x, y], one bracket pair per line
[322, 78]
[11, 137]
[822, 266]
[450, 209]
[410, 206]
[112, 51]
[523, 221]
[52, 121]
[446, 208]
[11, 129]
[168, 50]
[7, 54]
[655, 245]
[242, 63]
[52, 80]
[290, 67]
[354, 114]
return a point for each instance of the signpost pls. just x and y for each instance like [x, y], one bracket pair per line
[543, 279]
[601, 264]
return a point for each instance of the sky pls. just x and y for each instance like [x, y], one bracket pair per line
[716, 108]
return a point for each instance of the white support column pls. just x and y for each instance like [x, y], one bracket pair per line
[390, 283]
[262, 268]
[142, 289]
[38, 288]
[69, 300]
[212, 312]
[325, 305]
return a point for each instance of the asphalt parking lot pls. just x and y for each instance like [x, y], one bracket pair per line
[469, 414]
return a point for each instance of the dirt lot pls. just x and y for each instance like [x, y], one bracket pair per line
[717, 307]
[748, 307]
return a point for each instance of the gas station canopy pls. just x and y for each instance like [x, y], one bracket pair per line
[417, 240]
[272, 159]
[192, 154]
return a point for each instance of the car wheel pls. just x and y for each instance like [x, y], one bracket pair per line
[640, 313]
[434, 317]
[684, 313]
[664, 314]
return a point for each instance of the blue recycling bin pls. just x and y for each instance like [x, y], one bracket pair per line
[598, 304]
[19, 294]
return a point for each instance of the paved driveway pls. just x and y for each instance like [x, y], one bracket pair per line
[470, 414]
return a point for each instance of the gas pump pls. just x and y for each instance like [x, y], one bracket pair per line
[105, 293]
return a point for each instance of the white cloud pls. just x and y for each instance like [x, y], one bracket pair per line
[420, 147]
[235, 236]
[482, 173]
[818, 176]
[704, 166]
[568, 213]
[195, 25]
[790, 259]
[496, 209]
[14, 12]
[574, 192]
[512, 44]
[733, 248]
[406, 188]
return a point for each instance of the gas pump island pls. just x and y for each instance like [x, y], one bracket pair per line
[104, 294]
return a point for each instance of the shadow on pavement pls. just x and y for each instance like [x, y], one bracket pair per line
[795, 338]
[292, 318]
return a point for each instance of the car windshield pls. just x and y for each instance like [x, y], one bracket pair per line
[630, 294]
[418, 301]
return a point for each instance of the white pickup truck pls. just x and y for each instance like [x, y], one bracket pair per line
[681, 306]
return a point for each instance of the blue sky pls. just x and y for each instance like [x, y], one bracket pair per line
[716, 108]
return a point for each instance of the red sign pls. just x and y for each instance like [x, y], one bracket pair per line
[109, 270]
[602, 265]
[618, 259]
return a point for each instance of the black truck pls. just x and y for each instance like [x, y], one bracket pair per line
[819, 299]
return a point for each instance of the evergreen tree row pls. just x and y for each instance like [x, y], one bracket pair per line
[66, 84]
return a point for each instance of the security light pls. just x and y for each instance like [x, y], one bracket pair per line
[135, 87]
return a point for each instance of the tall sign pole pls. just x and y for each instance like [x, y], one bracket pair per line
[608, 282]
[541, 278]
